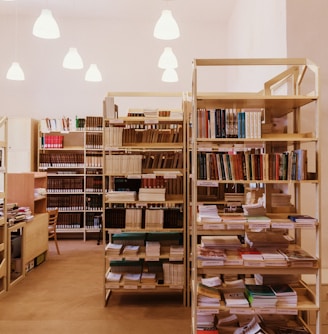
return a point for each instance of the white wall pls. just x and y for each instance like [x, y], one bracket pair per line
[127, 55]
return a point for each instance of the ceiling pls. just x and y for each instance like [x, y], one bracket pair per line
[195, 10]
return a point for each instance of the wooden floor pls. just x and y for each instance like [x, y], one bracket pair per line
[65, 295]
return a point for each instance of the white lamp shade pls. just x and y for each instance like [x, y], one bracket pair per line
[167, 59]
[166, 27]
[46, 26]
[93, 74]
[170, 75]
[15, 72]
[73, 60]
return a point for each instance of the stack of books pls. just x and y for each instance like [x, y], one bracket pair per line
[113, 277]
[251, 257]
[286, 295]
[208, 217]
[176, 253]
[152, 194]
[123, 196]
[261, 295]
[234, 221]
[131, 278]
[267, 239]
[220, 241]
[113, 249]
[153, 249]
[298, 257]
[303, 220]
[131, 251]
[210, 256]
[148, 278]
[208, 296]
[235, 298]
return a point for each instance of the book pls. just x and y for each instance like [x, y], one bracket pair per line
[208, 291]
[235, 298]
[298, 218]
[299, 257]
[283, 290]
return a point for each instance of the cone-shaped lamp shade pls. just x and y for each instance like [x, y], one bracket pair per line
[93, 74]
[73, 60]
[15, 72]
[170, 75]
[166, 27]
[167, 59]
[46, 26]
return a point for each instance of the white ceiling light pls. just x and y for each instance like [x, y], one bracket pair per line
[167, 59]
[166, 27]
[93, 74]
[15, 72]
[73, 60]
[46, 26]
[170, 75]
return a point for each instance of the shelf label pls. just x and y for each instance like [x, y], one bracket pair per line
[207, 183]
[116, 121]
[148, 286]
[131, 287]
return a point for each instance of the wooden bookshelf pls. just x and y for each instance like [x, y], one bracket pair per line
[144, 193]
[71, 153]
[280, 121]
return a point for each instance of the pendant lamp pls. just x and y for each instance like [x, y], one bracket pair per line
[15, 72]
[93, 74]
[46, 26]
[170, 75]
[167, 59]
[166, 27]
[73, 60]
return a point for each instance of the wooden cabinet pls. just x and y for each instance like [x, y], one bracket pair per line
[28, 190]
[144, 225]
[258, 142]
[72, 158]
[22, 144]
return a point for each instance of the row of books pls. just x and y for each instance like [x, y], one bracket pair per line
[93, 183]
[168, 273]
[94, 123]
[140, 238]
[229, 251]
[94, 202]
[65, 184]
[123, 164]
[241, 221]
[224, 322]
[251, 295]
[94, 140]
[134, 163]
[139, 218]
[290, 165]
[66, 203]
[72, 220]
[229, 123]
[93, 159]
[66, 124]
[51, 141]
[117, 136]
[63, 159]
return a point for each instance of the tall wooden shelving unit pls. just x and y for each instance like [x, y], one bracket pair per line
[290, 96]
[71, 152]
[155, 138]
[3, 218]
